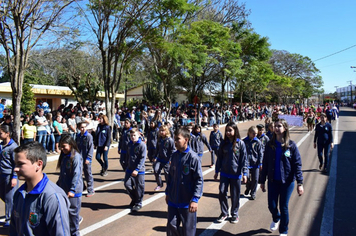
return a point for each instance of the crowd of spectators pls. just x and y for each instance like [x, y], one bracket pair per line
[46, 126]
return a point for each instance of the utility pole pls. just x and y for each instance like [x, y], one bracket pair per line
[350, 81]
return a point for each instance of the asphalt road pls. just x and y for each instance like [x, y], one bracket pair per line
[107, 212]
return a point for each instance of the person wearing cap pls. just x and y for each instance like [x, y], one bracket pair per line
[262, 136]
[323, 141]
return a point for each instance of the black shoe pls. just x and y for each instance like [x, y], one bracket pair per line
[234, 220]
[221, 218]
[321, 165]
[247, 191]
[253, 197]
[132, 204]
[137, 207]
[325, 170]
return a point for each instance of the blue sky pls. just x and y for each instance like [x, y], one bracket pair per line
[312, 28]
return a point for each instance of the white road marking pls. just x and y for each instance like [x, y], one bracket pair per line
[327, 222]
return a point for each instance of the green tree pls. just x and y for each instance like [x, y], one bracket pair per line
[164, 51]
[301, 69]
[151, 93]
[121, 28]
[28, 103]
[79, 68]
[255, 54]
[203, 42]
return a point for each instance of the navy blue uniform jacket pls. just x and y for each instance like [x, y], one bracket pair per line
[291, 164]
[232, 164]
[185, 179]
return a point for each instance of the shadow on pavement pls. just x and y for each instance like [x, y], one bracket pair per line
[101, 206]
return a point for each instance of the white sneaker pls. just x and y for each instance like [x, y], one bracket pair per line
[274, 225]
[283, 235]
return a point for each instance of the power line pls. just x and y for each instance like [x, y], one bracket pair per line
[335, 53]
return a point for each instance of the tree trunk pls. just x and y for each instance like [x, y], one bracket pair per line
[16, 85]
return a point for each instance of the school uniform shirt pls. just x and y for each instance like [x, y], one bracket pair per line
[323, 133]
[43, 211]
[215, 139]
[232, 164]
[103, 136]
[152, 139]
[290, 164]
[185, 179]
[200, 140]
[124, 140]
[136, 156]
[7, 158]
[254, 152]
[264, 140]
[85, 145]
[165, 149]
[192, 144]
[70, 174]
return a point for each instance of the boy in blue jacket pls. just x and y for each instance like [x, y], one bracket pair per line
[254, 151]
[135, 172]
[184, 186]
[86, 149]
[262, 136]
[123, 142]
[40, 206]
[214, 140]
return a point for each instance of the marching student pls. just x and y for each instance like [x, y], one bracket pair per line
[70, 179]
[200, 139]
[323, 140]
[254, 150]
[152, 141]
[135, 171]
[123, 142]
[232, 165]
[102, 143]
[86, 149]
[8, 177]
[215, 139]
[165, 148]
[282, 165]
[184, 186]
[262, 136]
[270, 130]
[40, 206]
